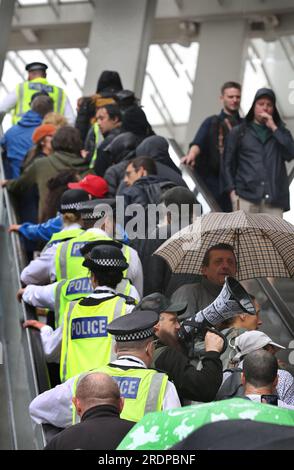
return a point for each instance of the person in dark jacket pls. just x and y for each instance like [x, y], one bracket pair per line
[254, 160]
[98, 403]
[155, 147]
[143, 183]
[191, 384]
[157, 273]
[109, 122]
[206, 149]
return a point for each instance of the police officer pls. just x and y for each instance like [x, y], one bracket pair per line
[42, 269]
[144, 389]
[83, 336]
[98, 217]
[55, 296]
[19, 100]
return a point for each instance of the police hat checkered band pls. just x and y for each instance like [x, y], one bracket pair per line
[113, 263]
[135, 336]
[74, 205]
[93, 215]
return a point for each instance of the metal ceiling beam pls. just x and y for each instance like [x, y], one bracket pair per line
[6, 14]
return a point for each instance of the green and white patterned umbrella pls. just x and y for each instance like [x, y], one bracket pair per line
[263, 244]
[161, 430]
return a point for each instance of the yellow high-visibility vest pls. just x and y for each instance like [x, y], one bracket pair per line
[69, 260]
[25, 91]
[85, 341]
[142, 389]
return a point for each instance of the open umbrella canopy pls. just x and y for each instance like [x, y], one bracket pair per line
[263, 244]
[163, 429]
[239, 434]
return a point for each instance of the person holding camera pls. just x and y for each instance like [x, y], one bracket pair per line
[170, 355]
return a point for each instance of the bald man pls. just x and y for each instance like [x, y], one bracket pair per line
[98, 403]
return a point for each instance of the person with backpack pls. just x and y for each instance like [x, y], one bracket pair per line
[144, 186]
[207, 147]
[246, 344]
[256, 152]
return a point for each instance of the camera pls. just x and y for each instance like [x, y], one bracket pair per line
[192, 333]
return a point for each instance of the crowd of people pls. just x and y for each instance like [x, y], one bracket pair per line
[116, 310]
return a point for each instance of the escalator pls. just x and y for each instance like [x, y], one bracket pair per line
[24, 374]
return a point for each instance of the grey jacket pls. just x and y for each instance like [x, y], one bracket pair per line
[198, 295]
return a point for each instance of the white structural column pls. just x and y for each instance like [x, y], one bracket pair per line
[6, 14]
[222, 48]
[119, 40]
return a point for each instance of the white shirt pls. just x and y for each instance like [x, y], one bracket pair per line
[41, 271]
[10, 100]
[52, 339]
[55, 406]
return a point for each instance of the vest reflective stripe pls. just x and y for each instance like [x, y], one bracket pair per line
[60, 261]
[59, 237]
[20, 102]
[86, 343]
[68, 260]
[127, 254]
[25, 91]
[154, 392]
[96, 130]
[65, 334]
[60, 101]
[124, 287]
[68, 291]
[148, 389]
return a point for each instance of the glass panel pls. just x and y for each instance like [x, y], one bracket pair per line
[168, 101]
[30, 3]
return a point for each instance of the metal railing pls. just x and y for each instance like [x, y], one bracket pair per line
[24, 363]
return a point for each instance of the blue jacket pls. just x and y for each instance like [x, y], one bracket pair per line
[43, 231]
[18, 140]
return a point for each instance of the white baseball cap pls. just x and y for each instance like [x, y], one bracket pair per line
[252, 341]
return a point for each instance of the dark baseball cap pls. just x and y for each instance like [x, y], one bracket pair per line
[160, 303]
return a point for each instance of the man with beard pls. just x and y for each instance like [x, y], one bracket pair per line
[191, 384]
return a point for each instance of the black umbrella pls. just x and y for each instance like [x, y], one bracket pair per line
[239, 434]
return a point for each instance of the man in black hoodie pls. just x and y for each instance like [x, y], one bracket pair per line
[255, 173]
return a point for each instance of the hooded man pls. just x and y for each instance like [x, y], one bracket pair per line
[255, 173]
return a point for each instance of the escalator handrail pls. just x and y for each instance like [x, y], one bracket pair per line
[19, 261]
[199, 184]
[278, 303]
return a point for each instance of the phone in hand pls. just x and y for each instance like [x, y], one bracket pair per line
[270, 399]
